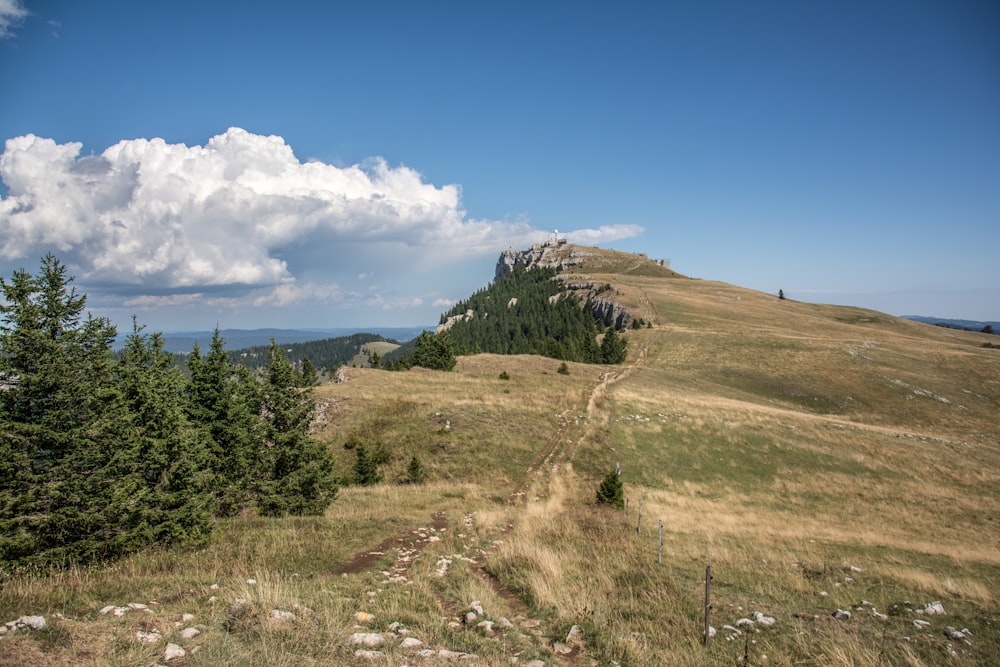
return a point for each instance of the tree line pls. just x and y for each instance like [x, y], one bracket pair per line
[103, 454]
[530, 312]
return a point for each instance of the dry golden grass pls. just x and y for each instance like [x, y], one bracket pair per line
[782, 443]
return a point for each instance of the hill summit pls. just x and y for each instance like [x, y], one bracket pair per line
[566, 257]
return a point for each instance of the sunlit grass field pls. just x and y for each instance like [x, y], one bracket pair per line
[815, 457]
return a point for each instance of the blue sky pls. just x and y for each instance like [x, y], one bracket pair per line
[314, 164]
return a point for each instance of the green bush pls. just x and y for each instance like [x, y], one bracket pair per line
[612, 491]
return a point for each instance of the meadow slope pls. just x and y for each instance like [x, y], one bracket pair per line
[817, 458]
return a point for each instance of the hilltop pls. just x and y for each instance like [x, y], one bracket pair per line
[836, 467]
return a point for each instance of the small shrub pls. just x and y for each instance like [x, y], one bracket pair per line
[563, 369]
[504, 375]
[612, 491]
[415, 473]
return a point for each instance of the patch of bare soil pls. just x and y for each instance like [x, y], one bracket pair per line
[409, 541]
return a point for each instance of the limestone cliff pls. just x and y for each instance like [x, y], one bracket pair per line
[570, 260]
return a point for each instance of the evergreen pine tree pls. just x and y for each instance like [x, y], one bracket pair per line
[612, 491]
[224, 406]
[173, 461]
[415, 473]
[297, 477]
[79, 492]
[310, 378]
[614, 348]
[365, 469]
[433, 351]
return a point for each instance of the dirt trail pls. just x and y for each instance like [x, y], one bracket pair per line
[539, 475]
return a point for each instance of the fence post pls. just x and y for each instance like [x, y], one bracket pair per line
[708, 599]
[659, 554]
[638, 524]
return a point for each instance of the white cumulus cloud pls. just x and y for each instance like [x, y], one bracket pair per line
[240, 217]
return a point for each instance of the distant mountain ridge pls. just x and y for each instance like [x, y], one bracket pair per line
[236, 339]
[967, 325]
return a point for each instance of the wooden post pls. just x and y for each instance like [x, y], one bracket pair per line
[708, 599]
[638, 524]
[659, 555]
[626, 509]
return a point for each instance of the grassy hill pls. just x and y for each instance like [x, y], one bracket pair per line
[817, 458]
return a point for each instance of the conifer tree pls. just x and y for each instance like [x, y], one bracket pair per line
[172, 459]
[415, 473]
[365, 469]
[310, 378]
[433, 351]
[612, 491]
[614, 348]
[78, 491]
[297, 472]
[224, 405]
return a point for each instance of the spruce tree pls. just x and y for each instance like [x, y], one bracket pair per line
[223, 403]
[415, 473]
[612, 491]
[297, 475]
[433, 351]
[173, 460]
[78, 491]
[365, 469]
[614, 348]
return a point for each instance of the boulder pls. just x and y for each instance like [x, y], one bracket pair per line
[173, 652]
[934, 609]
[367, 639]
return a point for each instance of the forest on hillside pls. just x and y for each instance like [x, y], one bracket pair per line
[104, 454]
[324, 355]
[529, 312]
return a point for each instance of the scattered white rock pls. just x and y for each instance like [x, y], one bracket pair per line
[137, 605]
[364, 617]
[934, 609]
[107, 610]
[190, 633]
[33, 622]
[477, 607]
[368, 654]
[505, 623]
[744, 621]
[173, 652]
[470, 618]
[823, 594]
[187, 618]
[711, 632]
[920, 624]
[842, 615]
[411, 643]
[760, 618]
[148, 637]
[485, 626]
[535, 663]
[879, 616]
[252, 582]
[856, 569]
[369, 639]
[214, 587]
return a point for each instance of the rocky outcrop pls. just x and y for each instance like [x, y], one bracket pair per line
[559, 256]
[611, 313]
